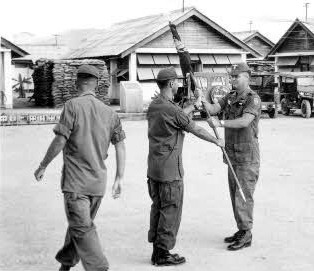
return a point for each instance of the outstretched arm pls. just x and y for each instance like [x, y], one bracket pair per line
[242, 122]
[213, 109]
[54, 149]
[205, 135]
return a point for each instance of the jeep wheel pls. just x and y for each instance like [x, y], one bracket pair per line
[272, 113]
[284, 107]
[306, 109]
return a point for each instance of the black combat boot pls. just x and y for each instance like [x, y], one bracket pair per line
[245, 240]
[165, 258]
[234, 237]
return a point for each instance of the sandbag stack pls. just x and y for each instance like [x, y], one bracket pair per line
[63, 74]
[43, 78]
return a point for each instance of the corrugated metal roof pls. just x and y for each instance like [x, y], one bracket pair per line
[243, 35]
[248, 35]
[37, 51]
[123, 35]
[13, 47]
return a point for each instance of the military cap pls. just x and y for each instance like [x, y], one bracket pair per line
[167, 74]
[240, 67]
[88, 69]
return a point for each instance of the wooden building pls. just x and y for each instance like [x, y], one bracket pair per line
[8, 50]
[294, 52]
[136, 50]
[257, 41]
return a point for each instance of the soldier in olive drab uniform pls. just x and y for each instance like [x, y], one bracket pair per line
[242, 110]
[166, 125]
[86, 128]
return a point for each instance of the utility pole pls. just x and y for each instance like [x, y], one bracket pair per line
[182, 5]
[56, 38]
[306, 7]
[250, 23]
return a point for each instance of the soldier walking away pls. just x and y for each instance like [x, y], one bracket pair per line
[84, 132]
[166, 125]
[242, 110]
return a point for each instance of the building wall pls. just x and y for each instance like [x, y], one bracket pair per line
[6, 79]
[298, 40]
[259, 45]
[194, 34]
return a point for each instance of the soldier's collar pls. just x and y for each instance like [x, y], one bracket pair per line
[243, 95]
[164, 97]
[89, 92]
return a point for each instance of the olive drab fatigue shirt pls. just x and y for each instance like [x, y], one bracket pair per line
[89, 126]
[166, 125]
[242, 144]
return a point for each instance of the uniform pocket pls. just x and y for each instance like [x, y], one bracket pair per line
[239, 111]
[77, 208]
[170, 194]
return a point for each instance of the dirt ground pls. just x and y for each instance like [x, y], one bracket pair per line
[33, 224]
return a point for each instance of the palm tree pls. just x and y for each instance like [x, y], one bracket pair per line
[19, 86]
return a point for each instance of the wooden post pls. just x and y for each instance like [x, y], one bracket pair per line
[132, 67]
[276, 90]
[243, 57]
[7, 74]
[114, 89]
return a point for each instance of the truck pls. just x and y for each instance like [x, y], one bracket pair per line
[263, 83]
[296, 91]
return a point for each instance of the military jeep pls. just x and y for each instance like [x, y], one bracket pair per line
[296, 92]
[263, 83]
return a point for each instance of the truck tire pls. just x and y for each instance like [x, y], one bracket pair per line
[306, 109]
[285, 110]
[272, 113]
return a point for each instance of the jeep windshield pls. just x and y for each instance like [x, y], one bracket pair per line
[306, 81]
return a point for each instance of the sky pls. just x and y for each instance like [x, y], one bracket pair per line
[45, 18]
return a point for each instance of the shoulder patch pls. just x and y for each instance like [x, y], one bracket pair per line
[256, 101]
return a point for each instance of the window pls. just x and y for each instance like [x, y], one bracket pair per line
[207, 59]
[145, 74]
[221, 59]
[287, 61]
[234, 59]
[161, 59]
[145, 59]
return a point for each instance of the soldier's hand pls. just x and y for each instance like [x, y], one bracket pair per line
[156, 94]
[116, 188]
[39, 173]
[198, 102]
[220, 142]
[213, 122]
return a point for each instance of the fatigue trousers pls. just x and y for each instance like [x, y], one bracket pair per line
[243, 211]
[81, 241]
[165, 214]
